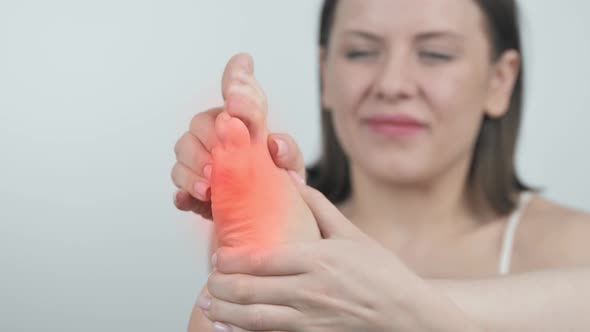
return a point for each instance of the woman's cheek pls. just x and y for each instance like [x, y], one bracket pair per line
[345, 130]
[455, 131]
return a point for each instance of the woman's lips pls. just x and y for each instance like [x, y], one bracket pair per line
[395, 125]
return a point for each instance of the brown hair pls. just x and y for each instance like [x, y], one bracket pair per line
[492, 178]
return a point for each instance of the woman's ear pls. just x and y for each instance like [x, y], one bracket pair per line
[502, 81]
[324, 97]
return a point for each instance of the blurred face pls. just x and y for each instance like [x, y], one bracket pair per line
[408, 83]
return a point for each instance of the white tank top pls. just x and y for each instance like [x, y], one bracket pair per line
[509, 232]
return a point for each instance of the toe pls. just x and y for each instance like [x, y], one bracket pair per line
[231, 131]
[245, 99]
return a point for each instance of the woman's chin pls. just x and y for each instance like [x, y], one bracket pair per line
[398, 174]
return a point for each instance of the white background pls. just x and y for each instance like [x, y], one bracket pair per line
[94, 95]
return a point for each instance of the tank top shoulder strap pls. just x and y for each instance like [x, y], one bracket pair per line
[509, 233]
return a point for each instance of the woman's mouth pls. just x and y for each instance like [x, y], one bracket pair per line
[395, 125]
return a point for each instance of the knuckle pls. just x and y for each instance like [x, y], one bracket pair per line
[176, 176]
[242, 290]
[214, 311]
[182, 178]
[179, 144]
[213, 278]
[184, 146]
[197, 121]
[192, 155]
[213, 283]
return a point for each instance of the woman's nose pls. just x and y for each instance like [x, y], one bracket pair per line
[395, 78]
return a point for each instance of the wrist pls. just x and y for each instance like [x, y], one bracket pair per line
[463, 298]
[437, 312]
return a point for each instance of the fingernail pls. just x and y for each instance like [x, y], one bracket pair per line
[204, 302]
[175, 197]
[220, 327]
[201, 189]
[207, 171]
[281, 147]
[297, 177]
[214, 259]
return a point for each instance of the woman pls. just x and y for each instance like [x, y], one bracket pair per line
[421, 109]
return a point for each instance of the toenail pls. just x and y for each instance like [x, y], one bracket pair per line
[201, 189]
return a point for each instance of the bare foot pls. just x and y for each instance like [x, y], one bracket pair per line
[254, 203]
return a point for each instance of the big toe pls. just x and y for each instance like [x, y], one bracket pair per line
[246, 100]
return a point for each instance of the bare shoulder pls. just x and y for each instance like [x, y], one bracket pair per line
[551, 235]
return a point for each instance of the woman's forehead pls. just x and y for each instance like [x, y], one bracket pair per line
[411, 16]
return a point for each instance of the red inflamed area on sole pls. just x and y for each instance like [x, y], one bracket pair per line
[249, 194]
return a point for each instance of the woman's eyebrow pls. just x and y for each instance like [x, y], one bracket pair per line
[363, 34]
[422, 36]
[438, 34]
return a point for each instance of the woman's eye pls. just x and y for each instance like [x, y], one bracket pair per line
[359, 54]
[435, 56]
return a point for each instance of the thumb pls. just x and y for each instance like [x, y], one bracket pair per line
[286, 153]
[332, 223]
